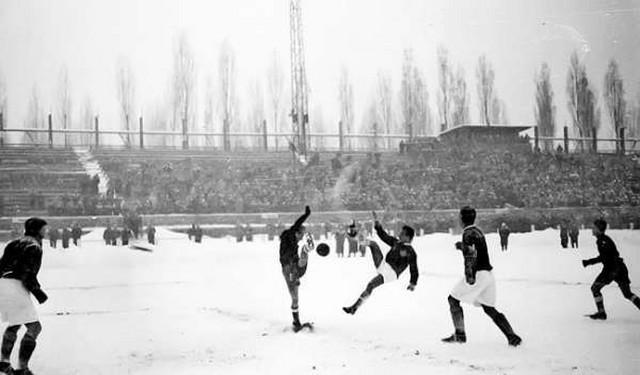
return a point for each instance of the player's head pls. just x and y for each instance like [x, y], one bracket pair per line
[467, 215]
[300, 232]
[35, 227]
[599, 226]
[407, 233]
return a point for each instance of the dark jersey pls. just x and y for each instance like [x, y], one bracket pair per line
[504, 232]
[400, 256]
[289, 243]
[608, 253]
[22, 260]
[474, 249]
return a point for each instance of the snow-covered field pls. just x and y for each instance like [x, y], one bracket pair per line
[222, 307]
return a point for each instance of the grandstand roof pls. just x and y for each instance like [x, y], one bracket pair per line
[482, 130]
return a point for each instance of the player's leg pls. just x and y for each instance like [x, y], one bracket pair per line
[28, 344]
[457, 316]
[628, 294]
[293, 282]
[601, 281]
[622, 278]
[501, 321]
[8, 341]
[374, 283]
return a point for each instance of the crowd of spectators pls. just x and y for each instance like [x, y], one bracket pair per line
[445, 177]
[489, 173]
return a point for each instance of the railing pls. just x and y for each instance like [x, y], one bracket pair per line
[249, 141]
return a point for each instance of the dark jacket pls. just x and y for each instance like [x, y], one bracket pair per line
[289, 243]
[474, 250]
[400, 256]
[21, 260]
[608, 253]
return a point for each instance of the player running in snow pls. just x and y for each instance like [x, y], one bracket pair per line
[391, 266]
[19, 268]
[478, 287]
[613, 269]
[294, 265]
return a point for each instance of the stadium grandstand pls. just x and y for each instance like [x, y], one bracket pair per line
[487, 167]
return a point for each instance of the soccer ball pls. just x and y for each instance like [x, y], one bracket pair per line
[322, 249]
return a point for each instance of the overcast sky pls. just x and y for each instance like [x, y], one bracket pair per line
[38, 38]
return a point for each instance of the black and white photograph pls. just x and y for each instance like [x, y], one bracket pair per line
[320, 187]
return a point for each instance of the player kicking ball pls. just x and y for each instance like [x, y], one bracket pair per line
[613, 269]
[478, 287]
[294, 262]
[391, 266]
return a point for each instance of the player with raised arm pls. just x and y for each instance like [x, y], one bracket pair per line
[391, 266]
[477, 287]
[294, 262]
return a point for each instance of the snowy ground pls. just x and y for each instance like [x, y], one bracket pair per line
[221, 307]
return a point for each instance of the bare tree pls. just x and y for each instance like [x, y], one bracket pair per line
[345, 97]
[3, 98]
[64, 103]
[423, 115]
[125, 86]
[319, 126]
[414, 98]
[447, 86]
[275, 85]
[460, 114]
[633, 127]
[545, 110]
[35, 119]
[407, 93]
[87, 121]
[486, 92]
[228, 101]
[582, 101]
[384, 104]
[256, 112]
[209, 110]
[184, 78]
[371, 123]
[614, 98]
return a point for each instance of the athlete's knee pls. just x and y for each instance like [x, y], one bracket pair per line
[491, 311]
[454, 304]
[374, 283]
[33, 329]
[12, 330]
[626, 292]
[596, 288]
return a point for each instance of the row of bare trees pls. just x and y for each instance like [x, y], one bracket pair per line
[582, 103]
[412, 117]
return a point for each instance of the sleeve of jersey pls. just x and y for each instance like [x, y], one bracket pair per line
[470, 255]
[384, 236]
[299, 222]
[413, 269]
[32, 261]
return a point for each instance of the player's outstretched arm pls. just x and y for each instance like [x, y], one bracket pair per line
[384, 236]
[413, 271]
[590, 262]
[301, 219]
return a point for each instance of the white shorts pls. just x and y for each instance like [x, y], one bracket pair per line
[16, 305]
[482, 292]
[387, 272]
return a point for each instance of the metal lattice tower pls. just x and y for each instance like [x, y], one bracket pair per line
[299, 92]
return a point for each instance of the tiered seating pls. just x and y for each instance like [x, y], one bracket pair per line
[32, 177]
